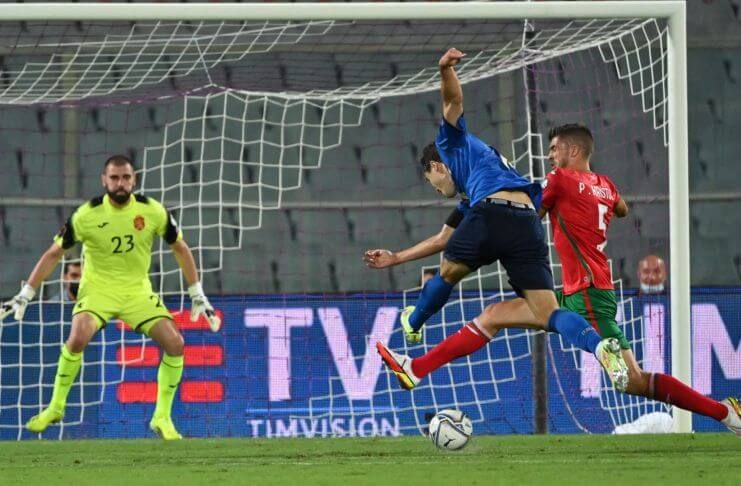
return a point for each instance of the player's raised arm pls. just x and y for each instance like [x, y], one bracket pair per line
[450, 87]
[46, 264]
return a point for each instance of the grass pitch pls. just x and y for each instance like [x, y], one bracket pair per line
[577, 459]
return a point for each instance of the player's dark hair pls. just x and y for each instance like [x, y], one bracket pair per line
[118, 160]
[576, 134]
[429, 153]
[70, 264]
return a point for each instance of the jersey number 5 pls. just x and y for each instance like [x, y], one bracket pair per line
[602, 224]
[127, 242]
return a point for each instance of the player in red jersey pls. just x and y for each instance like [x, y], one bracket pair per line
[580, 205]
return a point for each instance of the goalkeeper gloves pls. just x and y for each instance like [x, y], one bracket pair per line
[201, 305]
[18, 303]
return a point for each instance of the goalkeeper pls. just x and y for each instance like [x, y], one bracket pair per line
[117, 231]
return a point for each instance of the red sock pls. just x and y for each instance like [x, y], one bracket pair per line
[467, 340]
[669, 390]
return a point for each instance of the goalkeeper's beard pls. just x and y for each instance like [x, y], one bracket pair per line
[119, 196]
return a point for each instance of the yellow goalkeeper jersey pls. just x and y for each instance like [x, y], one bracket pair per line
[117, 242]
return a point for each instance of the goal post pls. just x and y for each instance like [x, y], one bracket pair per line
[349, 11]
[679, 207]
[676, 132]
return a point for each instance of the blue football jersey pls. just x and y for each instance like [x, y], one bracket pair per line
[478, 169]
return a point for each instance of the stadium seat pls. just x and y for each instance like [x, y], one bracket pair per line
[388, 175]
[387, 112]
[273, 231]
[713, 261]
[303, 268]
[353, 276]
[379, 228]
[338, 177]
[705, 81]
[426, 221]
[715, 218]
[26, 242]
[248, 270]
[713, 19]
[329, 227]
[649, 220]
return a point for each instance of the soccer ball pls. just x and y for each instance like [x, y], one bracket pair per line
[450, 429]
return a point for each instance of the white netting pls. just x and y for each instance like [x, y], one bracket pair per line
[229, 118]
[218, 133]
[142, 54]
[148, 54]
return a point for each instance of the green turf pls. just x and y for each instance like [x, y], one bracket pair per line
[577, 459]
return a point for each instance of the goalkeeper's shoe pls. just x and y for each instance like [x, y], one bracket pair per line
[400, 364]
[411, 335]
[733, 420]
[163, 427]
[609, 355]
[42, 421]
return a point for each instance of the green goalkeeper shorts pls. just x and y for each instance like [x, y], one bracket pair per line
[599, 308]
[141, 311]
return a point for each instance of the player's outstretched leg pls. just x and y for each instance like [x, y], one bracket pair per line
[67, 369]
[433, 297]
[400, 365]
[669, 390]
[469, 339]
[733, 420]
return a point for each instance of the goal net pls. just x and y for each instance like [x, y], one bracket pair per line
[285, 149]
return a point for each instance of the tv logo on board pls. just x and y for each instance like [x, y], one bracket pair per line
[279, 322]
[711, 341]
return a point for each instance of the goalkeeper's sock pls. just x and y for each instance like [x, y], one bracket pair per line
[467, 340]
[668, 389]
[575, 329]
[67, 369]
[433, 297]
[168, 379]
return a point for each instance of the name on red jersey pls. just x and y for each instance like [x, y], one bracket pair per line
[598, 191]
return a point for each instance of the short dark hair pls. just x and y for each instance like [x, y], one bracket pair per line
[429, 154]
[575, 133]
[71, 264]
[118, 160]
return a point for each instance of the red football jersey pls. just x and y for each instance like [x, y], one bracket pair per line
[580, 206]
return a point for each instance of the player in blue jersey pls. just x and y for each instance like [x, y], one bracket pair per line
[499, 222]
